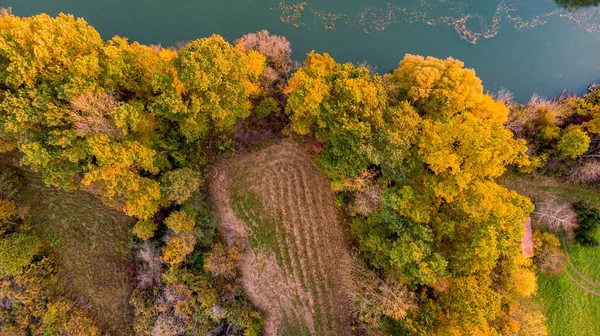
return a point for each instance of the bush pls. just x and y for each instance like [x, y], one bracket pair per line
[589, 220]
[144, 229]
[144, 312]
[63, 318]
[222, 261]
[523, 282]
[9, 182]
[7, 210]
[178, 185]
[574, 142]
[266, 107]
[178, 247]
[550, 258]
[180, 221]
[17, 251]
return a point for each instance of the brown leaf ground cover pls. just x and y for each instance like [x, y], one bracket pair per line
[296, 262]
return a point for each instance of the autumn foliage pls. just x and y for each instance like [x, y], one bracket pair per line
[414, 155]
[438, 142]
[82, 110]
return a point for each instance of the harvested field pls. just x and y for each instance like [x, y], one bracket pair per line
[296, 263]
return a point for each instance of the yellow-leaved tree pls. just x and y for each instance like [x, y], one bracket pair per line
[345, 108]
[437, 142]
[91, 114]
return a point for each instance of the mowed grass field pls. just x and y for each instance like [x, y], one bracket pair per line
[91, 245]
[296, 262]
[570, 301]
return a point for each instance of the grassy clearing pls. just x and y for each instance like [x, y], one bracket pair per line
[570, 301]
[542, 187]
[571, 309]
[91, 244]
[280, 207]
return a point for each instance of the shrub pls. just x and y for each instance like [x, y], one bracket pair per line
[222, 262]
[178, 247]
[144, 313]
[549, 257]
[266, 107]
[276, 48]
[148, 266]
[144, 229]
[589, 172]
[92, 114]
[180, 221]
[589, 220]
[574, 142]
[63, 318]
[17, 251]
[178, 185]
[524, 282]
[7, 210]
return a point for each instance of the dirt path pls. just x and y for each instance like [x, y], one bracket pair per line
[279, 206]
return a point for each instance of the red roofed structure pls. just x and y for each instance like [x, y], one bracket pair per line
[527, 240]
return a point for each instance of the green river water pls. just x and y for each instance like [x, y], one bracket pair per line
[526, 46]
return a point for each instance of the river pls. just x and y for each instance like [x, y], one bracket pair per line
[526, 46]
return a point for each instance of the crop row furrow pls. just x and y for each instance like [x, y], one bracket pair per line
[266, 290]
[271, 187]
[307, 191]
[296, 215]
[333, 248]
[294, 245]
[313, 261]
[265, 194]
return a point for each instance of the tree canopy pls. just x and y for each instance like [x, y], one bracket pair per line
[423, 145]
[437, 142]
[108, 116]
[345, 108]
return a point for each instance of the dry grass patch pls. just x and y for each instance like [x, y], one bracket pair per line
[296, 264]
[91, 244]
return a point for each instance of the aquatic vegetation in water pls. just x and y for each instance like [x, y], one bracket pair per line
[471, 20]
